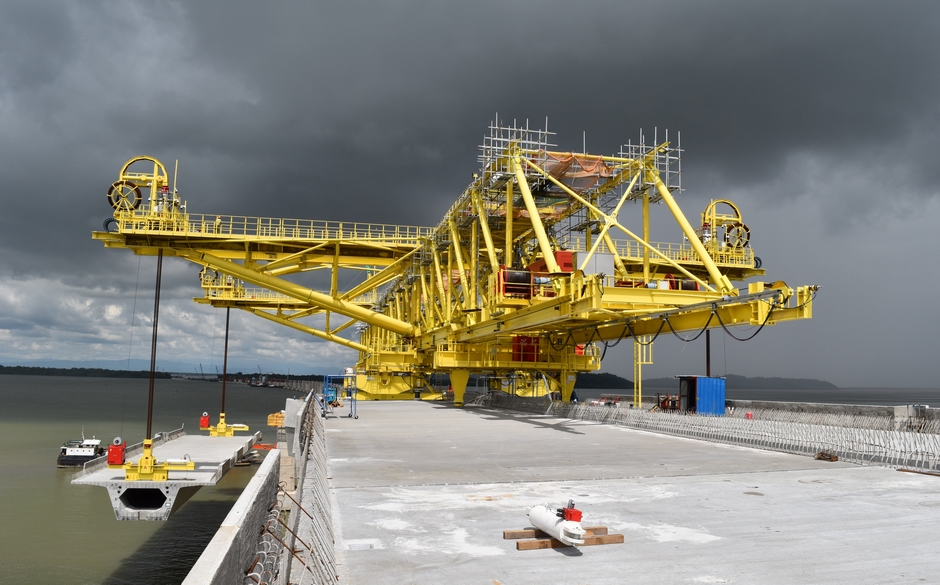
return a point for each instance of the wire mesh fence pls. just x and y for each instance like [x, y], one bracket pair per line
[859, 439]
[314, 526]
[296, 543]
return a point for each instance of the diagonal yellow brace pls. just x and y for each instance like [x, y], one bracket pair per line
[639, 240]
[302, 293]
[310, 330]
[547, 253]
[720, 280]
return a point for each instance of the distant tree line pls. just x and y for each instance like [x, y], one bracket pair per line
[275, 376]
[602, 381]
[736, 382]
[80, 372]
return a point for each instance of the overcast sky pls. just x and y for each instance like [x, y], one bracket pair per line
[820, 119]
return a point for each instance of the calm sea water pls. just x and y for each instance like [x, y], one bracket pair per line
[54, 532]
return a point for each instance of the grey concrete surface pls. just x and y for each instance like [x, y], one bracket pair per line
[422, 493]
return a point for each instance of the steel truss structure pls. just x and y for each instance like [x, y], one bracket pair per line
[525, 280]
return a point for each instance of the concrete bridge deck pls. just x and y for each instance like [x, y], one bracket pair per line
[422, 492]
[156, 500]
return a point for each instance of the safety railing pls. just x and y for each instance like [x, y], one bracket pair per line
[242, 227]
[227, 288]
[632, 251]
[863, 446]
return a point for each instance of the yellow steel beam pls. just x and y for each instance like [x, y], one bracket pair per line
[620, 226]
[477, 201]
[757, 309]
[299, 292]
[286, 260]
[646, 235]
[429, 300]
[547, 253]
[474, 258]
[438, 280]
[507, 251]
[344, 326]
[720, 280]
[458, 255]
[315, 332]
[608, 223]
[380, 277]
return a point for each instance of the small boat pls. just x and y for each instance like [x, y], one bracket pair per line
[76, 452]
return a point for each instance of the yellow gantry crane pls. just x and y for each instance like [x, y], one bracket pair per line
[526, 279]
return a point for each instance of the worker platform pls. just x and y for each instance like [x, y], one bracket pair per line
[156, 500]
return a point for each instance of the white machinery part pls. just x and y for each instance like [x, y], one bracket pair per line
[185, 459]
[565, 531]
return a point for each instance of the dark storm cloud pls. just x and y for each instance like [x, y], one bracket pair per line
[389, 102]
[373, 111]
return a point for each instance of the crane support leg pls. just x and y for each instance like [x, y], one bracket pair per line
[567, 380]
[458, 380]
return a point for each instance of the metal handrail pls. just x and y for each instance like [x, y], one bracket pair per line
[234, 226]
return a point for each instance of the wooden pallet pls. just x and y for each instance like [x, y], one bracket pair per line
[536, 539]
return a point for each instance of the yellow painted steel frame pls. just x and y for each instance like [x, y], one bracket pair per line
[147, 468]
[500, 287]
[222, 429]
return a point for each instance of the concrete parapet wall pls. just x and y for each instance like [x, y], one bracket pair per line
[304, 385]
[906, 448]
[230, 552]
[254, 544]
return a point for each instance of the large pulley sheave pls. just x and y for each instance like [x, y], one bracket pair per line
[124, 195]
[737, 235]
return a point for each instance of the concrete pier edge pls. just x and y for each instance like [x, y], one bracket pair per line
[223, 559]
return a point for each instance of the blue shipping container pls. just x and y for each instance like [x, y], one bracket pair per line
[710, 396]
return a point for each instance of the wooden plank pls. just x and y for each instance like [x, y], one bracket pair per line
[536, 533]
[605, 539]
[539, 543]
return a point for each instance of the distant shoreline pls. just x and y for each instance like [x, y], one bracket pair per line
[597, 381]
[106, 373]
[80, 372]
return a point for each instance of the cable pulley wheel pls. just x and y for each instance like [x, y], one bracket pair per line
[737, 235]
[124, 195]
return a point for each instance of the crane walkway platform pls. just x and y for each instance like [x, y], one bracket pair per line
[156, 500]
[423, 491]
